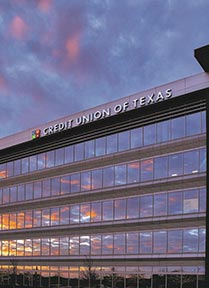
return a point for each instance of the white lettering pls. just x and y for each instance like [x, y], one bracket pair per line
[150, 99]
[142, 101]
[159, 97]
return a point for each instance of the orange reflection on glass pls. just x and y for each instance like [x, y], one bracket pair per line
[147, 165]
[3, 174]
[134, 165]
[5, 221]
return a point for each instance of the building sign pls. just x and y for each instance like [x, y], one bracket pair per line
[135, 103]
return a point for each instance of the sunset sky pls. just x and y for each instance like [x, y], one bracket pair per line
[58, 57]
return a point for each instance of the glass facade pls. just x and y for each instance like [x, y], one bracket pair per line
[124, 210]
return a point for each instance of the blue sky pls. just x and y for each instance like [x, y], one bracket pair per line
[58, 57]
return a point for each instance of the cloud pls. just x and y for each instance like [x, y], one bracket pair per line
[18, 28]
[45, 5]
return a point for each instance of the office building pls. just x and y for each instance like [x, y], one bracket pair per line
[114, 196]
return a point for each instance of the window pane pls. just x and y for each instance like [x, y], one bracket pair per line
[85, 181]
[79, 152]
[147, 169]
[202, 197]
[108, 177]
[69, 154]
[59, 156]
[160, 242]
[21, 193]
[136, 138]
[133, 207]
[133, 172]
[119, 243]
[97, 179]
[132, 243]
[3, 171]
[191, 201]
[75, 183]
[112, 143]
[9, 170]
[176, 164]
[193, 124]
[74, 214]
[46, 217]
[89, 149]
[150, 134]
[203, 160]
[160, 204]
[174, 241]
[120, 209]
[13, 194]
[190, 240]
[50, 159]
[96, 244]
[100, 146]
[84, 245]
[107, 244]
[46, 188]
[120, 174]
[175, 203]
[146, 206]
[161, 167]
[96, 212]
[64, 215]
[163, 131]
[145, 242]
[191, 162]
[85, 213]
[202, 240]
[37, 190]
[123, 141]
[25, 165]
[65, 185]
[41, 161]
[74, 245]
[29, 191]
[107, 210]
[17, 168]
[178, 127]
[203, 114]
[55, 216]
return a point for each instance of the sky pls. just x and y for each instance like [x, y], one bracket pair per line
[59, 57]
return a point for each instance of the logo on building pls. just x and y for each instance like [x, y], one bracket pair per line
[36, 134]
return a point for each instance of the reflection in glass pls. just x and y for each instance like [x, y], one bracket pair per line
[150, 134]
[147, 169]
[190, 240]
[133, 207]
[145, 242]
[174, 241]
[160, 204]
[175, 203]
[178, 127]
[191, 162]
[136, 137]
[160, 242]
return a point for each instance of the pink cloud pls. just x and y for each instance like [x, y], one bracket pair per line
[18, 28]
[44, 5]
[72, 47]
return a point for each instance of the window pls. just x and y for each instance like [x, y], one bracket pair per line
[133, 207]
[178, 127]
[150, 134]
[193, 124]
[136, 138]
[175, 203]
[120, 209]
[161, 167]
[175, 241]
[160, 242]
[160, 204]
